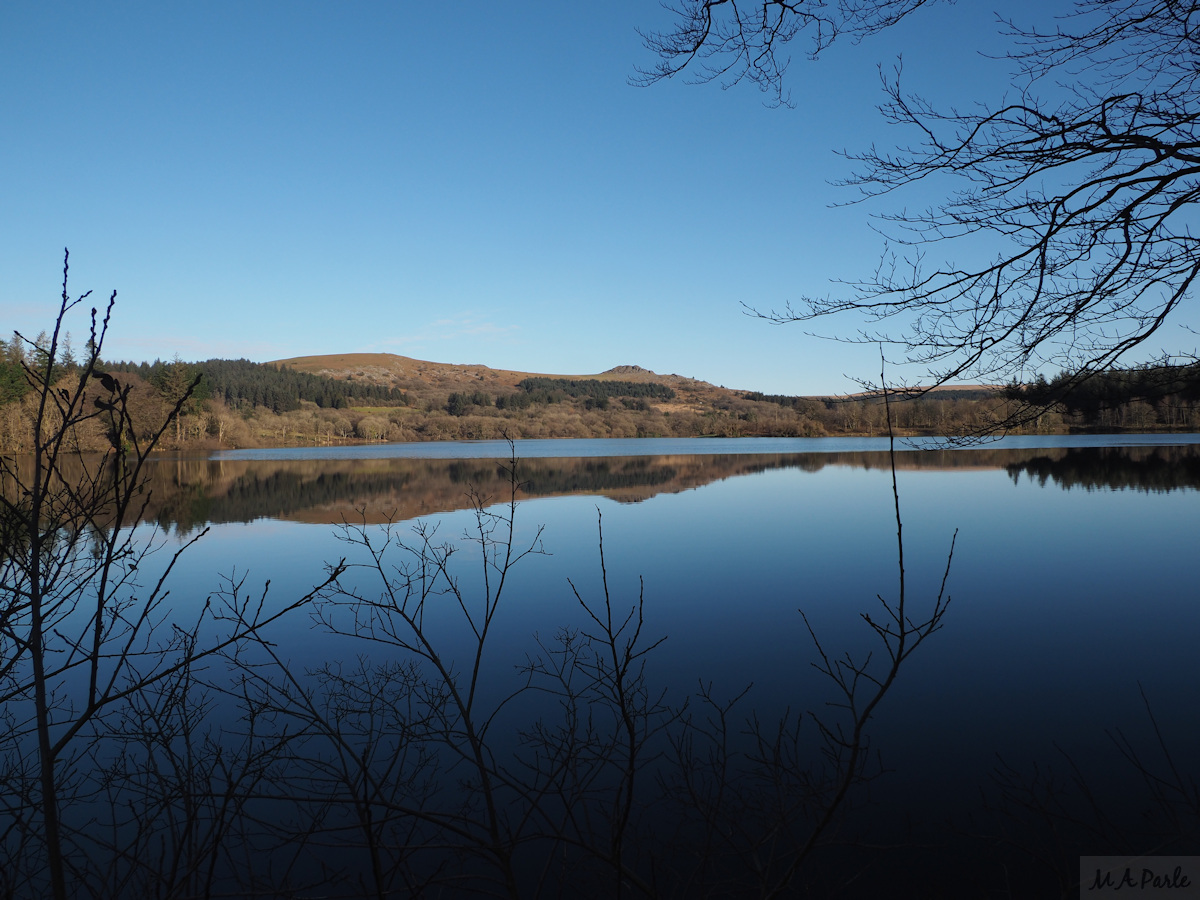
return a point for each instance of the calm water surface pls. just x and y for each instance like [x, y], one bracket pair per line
[569, 448]
[1073, 579]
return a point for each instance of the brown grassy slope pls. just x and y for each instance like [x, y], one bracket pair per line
[404, 372]
[426, 379]
[698, 408]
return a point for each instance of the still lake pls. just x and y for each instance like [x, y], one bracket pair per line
[1072, 585]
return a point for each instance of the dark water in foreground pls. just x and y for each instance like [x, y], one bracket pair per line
[1073, 585]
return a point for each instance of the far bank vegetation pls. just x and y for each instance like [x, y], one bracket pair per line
[244, 404]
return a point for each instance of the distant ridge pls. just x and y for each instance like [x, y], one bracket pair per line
[424, 378]
[421, 376]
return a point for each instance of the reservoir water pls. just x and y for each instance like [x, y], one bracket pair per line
[1041, 711]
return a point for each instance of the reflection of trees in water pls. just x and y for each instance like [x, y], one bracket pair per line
[188, 493]
[604, 476]
[276, 494]
[327, 491]
[1150, 469]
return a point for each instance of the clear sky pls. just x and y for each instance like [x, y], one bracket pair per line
[464, 182]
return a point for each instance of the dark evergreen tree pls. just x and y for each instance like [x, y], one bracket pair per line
[594, 388]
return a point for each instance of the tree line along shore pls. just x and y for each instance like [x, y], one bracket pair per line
[240, 404]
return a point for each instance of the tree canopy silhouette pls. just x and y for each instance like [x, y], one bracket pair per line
[1080, 180]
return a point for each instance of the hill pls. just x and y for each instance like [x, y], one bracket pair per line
[415, 375]
[348, 398]
[429, 381]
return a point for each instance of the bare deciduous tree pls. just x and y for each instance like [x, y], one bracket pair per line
[87, 636]
[731, 41]
[1077, 187]
[149, 751]
[430, 764]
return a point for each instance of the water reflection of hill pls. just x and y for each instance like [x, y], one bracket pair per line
[188, 492]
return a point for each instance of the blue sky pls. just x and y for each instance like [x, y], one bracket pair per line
[466, 182]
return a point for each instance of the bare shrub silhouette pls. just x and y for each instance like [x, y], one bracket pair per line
[431, 763]
[1048, 811]
[152, 750]
[90, 648]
